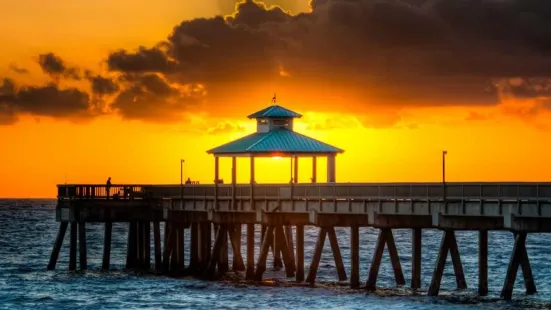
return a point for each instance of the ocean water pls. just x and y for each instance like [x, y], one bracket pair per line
[28, 230]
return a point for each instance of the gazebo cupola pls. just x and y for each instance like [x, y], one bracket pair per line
[274, 117]
[275, 136]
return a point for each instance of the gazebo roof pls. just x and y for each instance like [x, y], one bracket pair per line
[278, 141]
[275, 111]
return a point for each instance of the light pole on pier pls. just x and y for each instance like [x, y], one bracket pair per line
[444, 153]
[182, 183]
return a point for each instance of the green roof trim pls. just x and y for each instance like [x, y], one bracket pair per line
[280, 140]
[275, 111]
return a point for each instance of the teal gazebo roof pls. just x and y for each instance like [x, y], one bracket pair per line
[281, 140]
[275, 111]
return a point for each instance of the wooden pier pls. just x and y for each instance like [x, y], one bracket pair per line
[217, 212]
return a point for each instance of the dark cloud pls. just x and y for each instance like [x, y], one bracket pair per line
[48, 100]
[143, 60]
[529, 88]
[102, 85]
[17, 69]
[149, 97]
[381, 53]
[54, 66]
[386, 51]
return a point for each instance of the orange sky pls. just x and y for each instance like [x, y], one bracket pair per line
[382, 143]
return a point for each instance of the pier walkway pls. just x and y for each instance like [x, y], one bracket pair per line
[521, 208]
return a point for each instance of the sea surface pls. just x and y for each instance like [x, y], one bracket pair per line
[28, 230]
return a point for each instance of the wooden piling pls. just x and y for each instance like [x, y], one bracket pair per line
[147, 235]
[456, 261]
[290, 243]
[181, 249]
[519, 256]
[82, 245]
[57, 245]
[448, 244]
[483, 263]
[73, 247]
[354, 257]
[313, 270]
[287, 259]
[206, 242]
[376, 261]
[276, 249]
[194, 247]
[235, 238]
[107, 245]
[385, 237]
[265, 246]
[167, 251]
[250, 252]
[300, 253]
[394, 258]
[216, 249]
[416, 242]
[336, 253]
[157, 246]
[223, 265]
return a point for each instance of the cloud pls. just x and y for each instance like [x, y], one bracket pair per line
[54, 66]
[225, 127]
[101, 85]
[385, 55]
[17, 69]
[47, 100]
[142, 60]
[150, 97]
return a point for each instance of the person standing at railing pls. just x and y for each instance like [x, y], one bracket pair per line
[108, 187]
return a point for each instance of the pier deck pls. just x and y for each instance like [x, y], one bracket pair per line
[518, 207]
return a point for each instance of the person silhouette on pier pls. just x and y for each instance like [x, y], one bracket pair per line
[108, 187]
[188, 181]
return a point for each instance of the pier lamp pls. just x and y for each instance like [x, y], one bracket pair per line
[182, 183]
[444, 153]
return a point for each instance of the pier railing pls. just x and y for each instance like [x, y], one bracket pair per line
[353, 191]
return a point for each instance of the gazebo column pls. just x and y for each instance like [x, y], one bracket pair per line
[233, 179]
[331, 168]
[295, 177]
[250, 231]
[314, 169]
[216, 179]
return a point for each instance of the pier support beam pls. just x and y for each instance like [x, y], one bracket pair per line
[285, 251]
[107, 245]
[518, 257]
[57, 246]
[73, 247]
[448, 244]
[300, 253]
[416, 236]
[354, 257]
[312, 272]
[264, 247]
[250, 252]
[157, 246]
[385, 237]
[221, 237]
[235, 239]
[483, 263]
[82, 245]
[223, 265]
[131, 250]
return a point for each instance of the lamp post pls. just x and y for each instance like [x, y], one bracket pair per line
[182, 183]
[444, 153]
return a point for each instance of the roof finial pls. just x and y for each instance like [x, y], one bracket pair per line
[274, 98]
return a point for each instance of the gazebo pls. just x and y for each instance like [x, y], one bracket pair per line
[275, 137]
